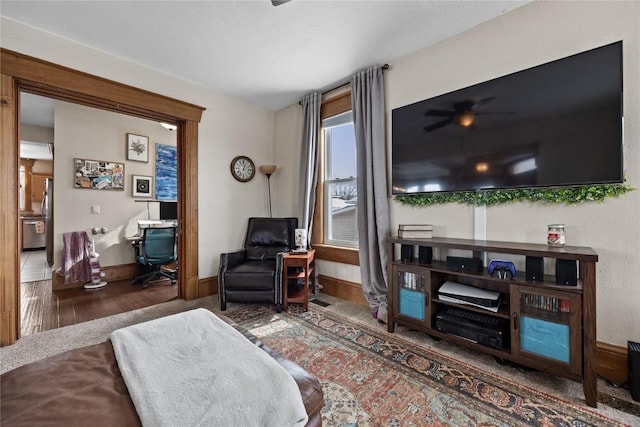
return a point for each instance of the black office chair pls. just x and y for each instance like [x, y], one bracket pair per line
[158, 248]
[254, 274]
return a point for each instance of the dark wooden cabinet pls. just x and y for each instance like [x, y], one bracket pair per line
[545, 326]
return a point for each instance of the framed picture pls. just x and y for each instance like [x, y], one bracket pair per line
[141, 186]
[98, 174]
[137, 148]
[166, 172]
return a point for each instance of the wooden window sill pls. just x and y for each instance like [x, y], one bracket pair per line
[337, 254]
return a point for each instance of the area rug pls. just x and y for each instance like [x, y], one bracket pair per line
[374, 379]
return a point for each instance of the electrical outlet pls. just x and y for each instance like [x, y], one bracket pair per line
[95, 209]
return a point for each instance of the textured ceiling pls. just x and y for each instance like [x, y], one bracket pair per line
[269, 56]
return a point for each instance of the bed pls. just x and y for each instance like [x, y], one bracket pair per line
[85, 386]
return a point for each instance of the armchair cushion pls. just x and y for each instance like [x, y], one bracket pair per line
[251, 275]
[268, 236]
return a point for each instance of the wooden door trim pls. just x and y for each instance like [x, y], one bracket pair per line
[24, 73]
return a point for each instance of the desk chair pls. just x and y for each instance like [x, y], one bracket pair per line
[158, 248]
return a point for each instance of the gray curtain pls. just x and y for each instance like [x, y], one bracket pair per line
[309, 160]
[367, 97]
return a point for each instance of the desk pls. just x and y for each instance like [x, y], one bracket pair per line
[298, 268]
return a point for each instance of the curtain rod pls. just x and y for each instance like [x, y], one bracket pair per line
[384, 68]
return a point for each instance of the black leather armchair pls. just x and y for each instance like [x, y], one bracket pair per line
[254, 274]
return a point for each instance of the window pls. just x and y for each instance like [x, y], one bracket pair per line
[336, 176]
[339, 181]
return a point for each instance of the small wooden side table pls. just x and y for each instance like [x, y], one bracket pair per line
[296, 267]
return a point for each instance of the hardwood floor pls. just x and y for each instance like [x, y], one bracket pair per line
[42, 309]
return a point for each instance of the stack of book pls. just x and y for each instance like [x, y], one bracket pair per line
[415, 231]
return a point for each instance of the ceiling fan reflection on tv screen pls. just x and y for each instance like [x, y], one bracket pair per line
[464, 114]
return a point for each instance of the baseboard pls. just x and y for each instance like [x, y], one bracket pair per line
[349, 291]
[207, 286]
[612, 362]
[112, 273]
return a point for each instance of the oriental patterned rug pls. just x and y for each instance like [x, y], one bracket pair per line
[371, 378]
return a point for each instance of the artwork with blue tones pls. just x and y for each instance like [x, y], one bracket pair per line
[166, 172]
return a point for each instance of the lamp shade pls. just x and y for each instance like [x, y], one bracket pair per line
[268, 169]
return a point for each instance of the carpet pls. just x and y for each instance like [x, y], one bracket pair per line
[373, 379]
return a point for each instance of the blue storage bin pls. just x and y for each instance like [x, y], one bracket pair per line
[545, 338]
[412, 303]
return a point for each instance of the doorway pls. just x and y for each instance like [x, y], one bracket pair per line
[28, 74]
[81, 131]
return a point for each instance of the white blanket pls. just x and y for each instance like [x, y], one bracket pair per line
[194, 369]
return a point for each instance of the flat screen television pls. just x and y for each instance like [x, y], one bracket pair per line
[556, 124]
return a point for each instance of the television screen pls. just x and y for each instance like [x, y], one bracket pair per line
[557, 124]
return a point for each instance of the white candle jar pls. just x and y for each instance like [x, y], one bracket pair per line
[555, 235]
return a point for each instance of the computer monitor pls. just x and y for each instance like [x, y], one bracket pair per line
[168, 211]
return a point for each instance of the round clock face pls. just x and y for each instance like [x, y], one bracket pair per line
[242, 168]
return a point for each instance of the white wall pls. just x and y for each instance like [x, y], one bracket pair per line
[34, 133]
[88, 133]
[533, 34]
[229, 127]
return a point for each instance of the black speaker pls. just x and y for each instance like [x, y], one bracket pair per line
[566, 272]
[634, 369]
[425, 254]
[534, 270]
[406, 253]
[473, 265]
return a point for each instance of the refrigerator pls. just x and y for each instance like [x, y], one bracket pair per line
[47, 213]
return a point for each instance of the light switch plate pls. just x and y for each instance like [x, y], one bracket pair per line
[95, 209]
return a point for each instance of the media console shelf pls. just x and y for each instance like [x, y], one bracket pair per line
[542, 325]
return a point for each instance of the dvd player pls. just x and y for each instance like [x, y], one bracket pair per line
[476, 327]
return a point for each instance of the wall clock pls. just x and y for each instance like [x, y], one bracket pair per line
[242, 168]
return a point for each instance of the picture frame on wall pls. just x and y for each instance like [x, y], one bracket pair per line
[98, 174]
[166, 172]
[141, 186]
[137, 148]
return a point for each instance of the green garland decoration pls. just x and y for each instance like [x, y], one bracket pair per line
[567, 195]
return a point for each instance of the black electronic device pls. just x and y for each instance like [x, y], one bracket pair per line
[406, 253]
[168, 210]
[479, 328]
[566, 272]
[534, 268]
[634, 369]
[473, 265]
[540, 127]
[425, 254]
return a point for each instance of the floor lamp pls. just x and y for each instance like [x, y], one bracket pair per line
[268, 170]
